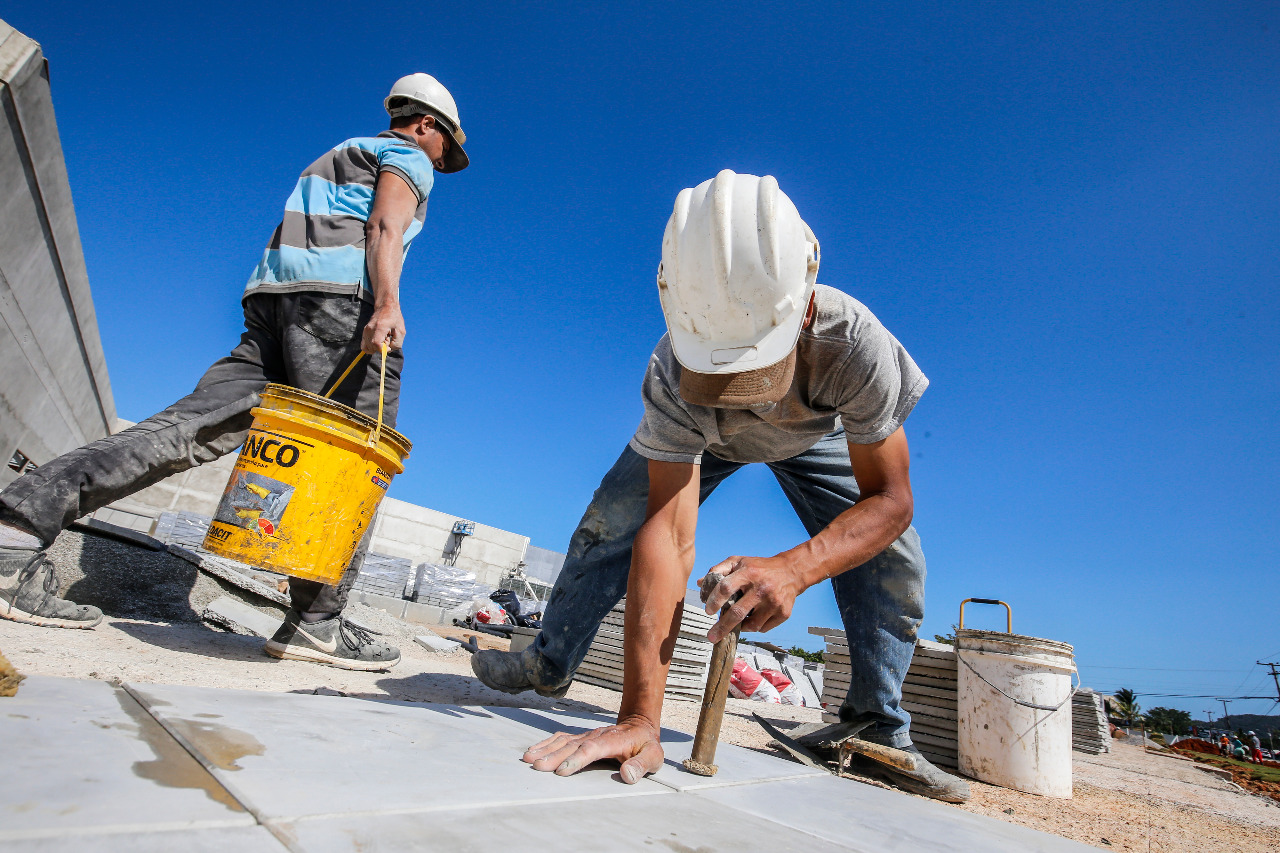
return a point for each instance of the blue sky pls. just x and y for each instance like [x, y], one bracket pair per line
[1069, 213]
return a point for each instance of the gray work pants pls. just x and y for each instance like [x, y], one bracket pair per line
[301, 339]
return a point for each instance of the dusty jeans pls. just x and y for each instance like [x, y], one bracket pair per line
[301, 339]
[881, 602]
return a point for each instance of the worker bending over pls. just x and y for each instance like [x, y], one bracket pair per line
[327, 288]
[760, 364]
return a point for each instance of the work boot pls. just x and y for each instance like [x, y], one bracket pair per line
[516, 672]
[335, 642]
[926, 780]
[28, 590]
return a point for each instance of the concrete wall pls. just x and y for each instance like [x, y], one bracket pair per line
[54, 390]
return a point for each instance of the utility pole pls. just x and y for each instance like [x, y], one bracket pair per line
[1275, 676]
[1225, 716]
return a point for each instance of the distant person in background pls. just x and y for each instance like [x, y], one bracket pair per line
[326, 288]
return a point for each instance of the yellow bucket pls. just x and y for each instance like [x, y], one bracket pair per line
[306, 485]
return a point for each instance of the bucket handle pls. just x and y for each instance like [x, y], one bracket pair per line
[1049, 708]
[996, 601]
[376, 435]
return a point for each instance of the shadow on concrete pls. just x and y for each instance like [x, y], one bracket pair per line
[198, 640]
[452, 689]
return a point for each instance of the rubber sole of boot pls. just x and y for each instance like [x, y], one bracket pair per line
[8, 611]
[283, 652]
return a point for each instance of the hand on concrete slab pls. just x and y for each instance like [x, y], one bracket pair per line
[769, 587]
[633, 743]
[387, 324]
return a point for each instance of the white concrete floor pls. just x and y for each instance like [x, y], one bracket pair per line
[148, 767]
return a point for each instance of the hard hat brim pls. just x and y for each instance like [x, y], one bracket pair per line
[697, 353]
[456, 160]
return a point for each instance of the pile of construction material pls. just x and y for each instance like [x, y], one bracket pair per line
[1090, 732]
[383, 575]
[448, 587]
[687, 678]
[807, 677]
[928, 694]
[182, 528]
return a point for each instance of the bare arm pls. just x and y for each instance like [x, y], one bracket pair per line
[661, 561]
[770, 584]
[394, 203]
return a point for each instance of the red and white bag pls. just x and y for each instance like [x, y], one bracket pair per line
[746, 683]
[788, 694]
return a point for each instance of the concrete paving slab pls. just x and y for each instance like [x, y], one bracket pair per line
[865, 818]
[290, 755]
[81, 756]
[636, 825]
[738, 766]
[241, 839]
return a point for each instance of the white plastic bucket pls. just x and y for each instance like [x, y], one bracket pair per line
[1014, 709]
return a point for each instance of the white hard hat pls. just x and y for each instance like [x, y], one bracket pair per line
[425, 91]
[738, 269]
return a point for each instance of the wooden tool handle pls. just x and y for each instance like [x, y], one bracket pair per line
[710, 718]
[896, 758]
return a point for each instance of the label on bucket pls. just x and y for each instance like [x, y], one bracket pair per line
[254, 502]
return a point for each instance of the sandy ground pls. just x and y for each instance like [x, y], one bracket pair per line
[1126, 800]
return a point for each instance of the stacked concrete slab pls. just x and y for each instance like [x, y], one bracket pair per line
[1090, 732]
[687, 678]
[928, 694]
[54, 391]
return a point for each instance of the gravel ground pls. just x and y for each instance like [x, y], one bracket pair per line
[1127, 800]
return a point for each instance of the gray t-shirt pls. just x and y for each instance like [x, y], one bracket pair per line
[849, 370]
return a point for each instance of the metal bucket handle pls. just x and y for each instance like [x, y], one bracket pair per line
[376, 435]
[1004, 604]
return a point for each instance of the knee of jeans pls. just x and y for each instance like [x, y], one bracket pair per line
[901, 584]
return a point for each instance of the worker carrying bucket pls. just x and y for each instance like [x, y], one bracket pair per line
[1014, 704]
[326, 288]
[306, 485]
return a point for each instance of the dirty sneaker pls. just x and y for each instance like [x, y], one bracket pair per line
[515, 672]
[335, 642]
[926, 780]
[28, 590]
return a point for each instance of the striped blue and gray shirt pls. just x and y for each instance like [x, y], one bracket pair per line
[319, 245]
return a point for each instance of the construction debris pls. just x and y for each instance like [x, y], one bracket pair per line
[10, 678]
[237, 574]
[928, 694]
[1090, 732]
[239, 618]
[687, 678]
[435, 643]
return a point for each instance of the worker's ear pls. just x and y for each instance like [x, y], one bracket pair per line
[809, 311]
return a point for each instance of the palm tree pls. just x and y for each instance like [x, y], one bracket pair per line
[1125, 705]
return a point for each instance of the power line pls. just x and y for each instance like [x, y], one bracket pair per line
[1163, 669]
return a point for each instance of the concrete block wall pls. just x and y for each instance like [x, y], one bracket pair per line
[402, 529]
[55, 394]
[197, 490]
